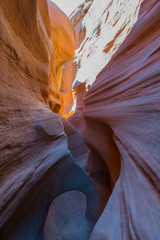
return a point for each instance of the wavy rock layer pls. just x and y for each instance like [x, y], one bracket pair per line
[70, 68]
[42, 154]
[36, 164]
[100, 27]
[125, 98]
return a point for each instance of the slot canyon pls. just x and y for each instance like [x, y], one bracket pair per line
[80, 120]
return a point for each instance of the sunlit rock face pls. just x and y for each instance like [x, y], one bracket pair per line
[44, 191]
[63, 38]
[37, 159]
[100, 27]
[107, 24]
[70, 68]
[123, 106]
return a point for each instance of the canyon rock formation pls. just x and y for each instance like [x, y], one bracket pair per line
[36, 165]
[70, 68]
[54, 182]
[123, 105]
[100, 27]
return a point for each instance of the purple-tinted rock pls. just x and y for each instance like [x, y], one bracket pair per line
[126, 97]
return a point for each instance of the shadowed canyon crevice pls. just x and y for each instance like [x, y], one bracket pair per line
[95, 175]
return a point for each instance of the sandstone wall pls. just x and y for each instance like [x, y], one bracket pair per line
[125, 99]
[36, 165]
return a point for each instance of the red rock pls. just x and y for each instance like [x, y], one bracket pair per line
[100, 28]
[36, 165]
[41, 152]
[70, 68]
[126, 97]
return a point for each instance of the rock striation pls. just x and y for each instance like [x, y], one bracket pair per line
[70, 68]
[36, 165]
[100, 27]
[54, 181]
[123, 106]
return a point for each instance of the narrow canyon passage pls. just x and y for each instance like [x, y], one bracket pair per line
[79, 120]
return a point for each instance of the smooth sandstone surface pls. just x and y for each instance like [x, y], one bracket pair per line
[126, 99]
[44, 191]
[100, 27]
[63, 39]
[36, 165]
[70, 68]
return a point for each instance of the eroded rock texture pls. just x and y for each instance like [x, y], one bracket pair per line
[44, 193]
[123, 105]
[70, 68]
[100, 27]
[36, 164]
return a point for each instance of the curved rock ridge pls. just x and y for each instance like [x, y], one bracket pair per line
[100, 27]
[125, 99]
[70, 68]
[107, 24]
[64, 214]
[63, 37]
[63, 40]
[36, 165]
[43, 156]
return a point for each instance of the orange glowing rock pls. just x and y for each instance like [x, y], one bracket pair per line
[63, 39]
[36, 164]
